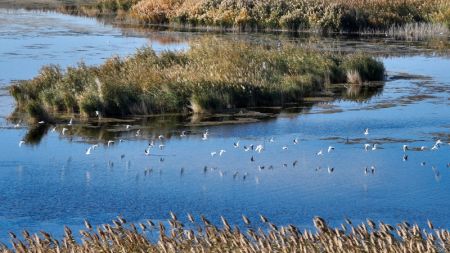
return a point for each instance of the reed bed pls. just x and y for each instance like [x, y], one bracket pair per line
[201, 235]
[316, 15]
[418, 31]
[213, 75]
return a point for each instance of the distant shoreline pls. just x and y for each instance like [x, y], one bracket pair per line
[401, 19]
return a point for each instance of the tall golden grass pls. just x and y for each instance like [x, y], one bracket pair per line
[332, 15]
[201, 235]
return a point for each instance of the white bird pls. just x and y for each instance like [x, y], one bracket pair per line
[435, 147]
[70, 122]
[295, 141]
[222, 151]
[236, 144]
[423, 148]
[127, 127]
[438, 142]
[205, 136]
[110, 142]
[271, 139]
[366, 146]
[330, 148]
[21, 143]
[259, 148]
[97, 113]
[366, 131]
[147, 151]
[320, 152]
[138, 132]
[54, 129]
[88, 151]
[284, 147]
[183, 134]
[64, 131]
[374, 147]
[41, 122]
[405, 147]
[213, 153]
[94, 146]
[161, 137]
[246, 149]
[17, 125]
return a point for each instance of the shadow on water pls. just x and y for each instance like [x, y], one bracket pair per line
[170, 125]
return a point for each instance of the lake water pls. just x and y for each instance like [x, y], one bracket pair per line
[51, 182]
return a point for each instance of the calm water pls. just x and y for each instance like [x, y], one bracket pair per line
[53, 183]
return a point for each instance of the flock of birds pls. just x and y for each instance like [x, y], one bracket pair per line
[258, 148]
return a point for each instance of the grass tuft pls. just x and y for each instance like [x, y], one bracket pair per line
[361, 68]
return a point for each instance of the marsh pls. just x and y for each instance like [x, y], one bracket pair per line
[49, 181]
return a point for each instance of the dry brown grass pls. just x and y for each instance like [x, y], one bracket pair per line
[200, 235]
[353, 77]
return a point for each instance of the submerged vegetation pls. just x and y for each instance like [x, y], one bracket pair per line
[213, 75]
[334, 15]
[203, 236]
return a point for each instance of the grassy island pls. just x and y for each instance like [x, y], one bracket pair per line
[213, 75]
